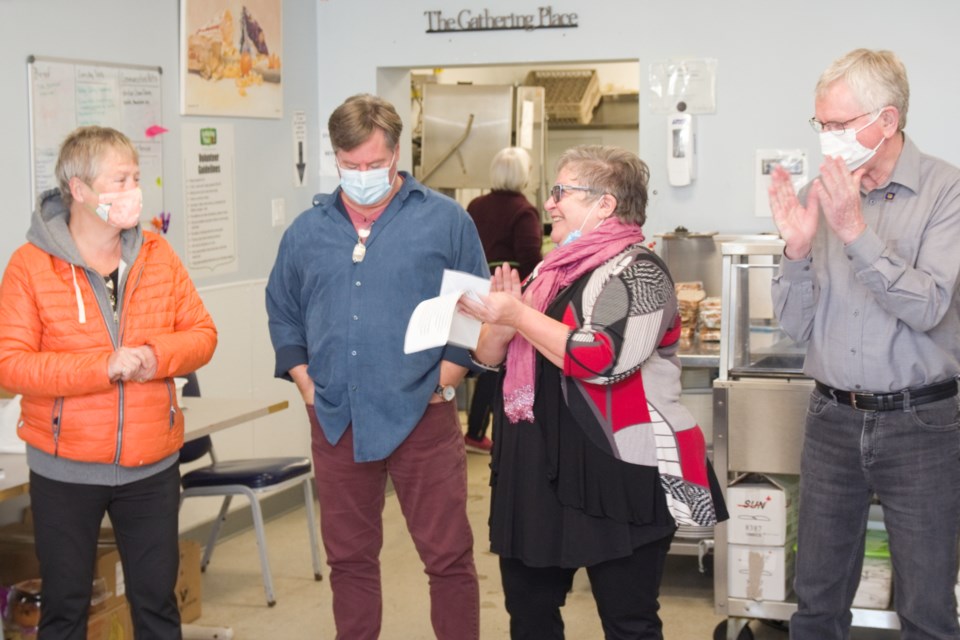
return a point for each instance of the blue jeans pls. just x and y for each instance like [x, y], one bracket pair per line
[910, 459]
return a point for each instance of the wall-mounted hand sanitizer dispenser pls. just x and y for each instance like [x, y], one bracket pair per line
[681, 149]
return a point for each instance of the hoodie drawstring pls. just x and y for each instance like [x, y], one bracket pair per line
[82, 311]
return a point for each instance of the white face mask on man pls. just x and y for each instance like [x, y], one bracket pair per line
[846, 146]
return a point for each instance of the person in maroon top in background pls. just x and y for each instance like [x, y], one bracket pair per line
[511, 232]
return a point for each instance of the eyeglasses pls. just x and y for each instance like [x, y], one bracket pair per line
[557, 190]
[836, 128]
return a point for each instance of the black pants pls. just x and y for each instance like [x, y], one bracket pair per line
[625, 589]
[67, 519]
[481, 405]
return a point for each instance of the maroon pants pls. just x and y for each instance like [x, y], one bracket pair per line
[429, 474]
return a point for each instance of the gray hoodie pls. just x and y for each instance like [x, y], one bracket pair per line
[49, 232]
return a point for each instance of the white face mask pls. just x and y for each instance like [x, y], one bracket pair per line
[366, 187]
[846, 146]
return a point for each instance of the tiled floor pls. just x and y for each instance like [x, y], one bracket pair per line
[233, 592]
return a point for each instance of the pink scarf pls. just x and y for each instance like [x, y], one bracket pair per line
[561, 267]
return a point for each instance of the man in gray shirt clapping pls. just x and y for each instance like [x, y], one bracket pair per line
[869, 281]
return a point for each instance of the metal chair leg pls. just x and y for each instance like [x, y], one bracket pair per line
[312, 527]
[214, 532]
[262, 547]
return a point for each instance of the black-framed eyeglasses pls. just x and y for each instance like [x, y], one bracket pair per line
[834, 127]
[557, 190]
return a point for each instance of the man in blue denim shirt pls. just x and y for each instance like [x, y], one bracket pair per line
[348, 275]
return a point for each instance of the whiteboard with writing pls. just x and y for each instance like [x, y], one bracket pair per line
[66, 94]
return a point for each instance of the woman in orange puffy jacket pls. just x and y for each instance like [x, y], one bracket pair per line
[96, 317]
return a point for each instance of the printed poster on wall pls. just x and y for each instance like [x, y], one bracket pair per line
[209, 198]
[230, 58]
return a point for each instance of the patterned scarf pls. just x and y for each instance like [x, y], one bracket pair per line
[560, 268]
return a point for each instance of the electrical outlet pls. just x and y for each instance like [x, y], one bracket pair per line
[278, 213]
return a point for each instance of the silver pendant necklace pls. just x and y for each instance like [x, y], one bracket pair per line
[360, 250]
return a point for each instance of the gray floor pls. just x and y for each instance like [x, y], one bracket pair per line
[233, 592]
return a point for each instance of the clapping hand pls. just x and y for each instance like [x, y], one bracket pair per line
[796, 223]
[839, 196]
[502, 305]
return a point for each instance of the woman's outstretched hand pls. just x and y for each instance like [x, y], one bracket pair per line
[503, 305]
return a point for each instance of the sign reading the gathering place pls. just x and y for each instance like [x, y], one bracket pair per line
[468, 20]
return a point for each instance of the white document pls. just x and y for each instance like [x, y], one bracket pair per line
[435, 322]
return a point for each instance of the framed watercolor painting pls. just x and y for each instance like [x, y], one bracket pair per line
[231, 58]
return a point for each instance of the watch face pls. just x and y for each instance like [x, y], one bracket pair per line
[447, 392]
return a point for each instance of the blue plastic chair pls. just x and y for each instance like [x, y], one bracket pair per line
[252, 478]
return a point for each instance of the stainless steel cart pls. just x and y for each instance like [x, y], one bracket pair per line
[693, 256]
[759, 401]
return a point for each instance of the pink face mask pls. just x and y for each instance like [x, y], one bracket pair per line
[121, 208]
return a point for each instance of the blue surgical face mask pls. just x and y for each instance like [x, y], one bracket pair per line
[576, 234]
[573, 236]
[366, 187]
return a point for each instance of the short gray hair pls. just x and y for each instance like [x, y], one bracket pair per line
[81, 153]
[876, 78]
[615, 171]
[510, 169]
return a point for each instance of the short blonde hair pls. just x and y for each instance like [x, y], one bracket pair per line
[877, 79]
[612, 170]
[510, 169]
[353, 122]
[83, 150]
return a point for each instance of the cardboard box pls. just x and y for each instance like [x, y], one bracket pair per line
[760, 572]
[187, 588]
[18, 561]
[876, 577]
[763, 510]
[188, 581]
[113, 623]
[876, 584]
[110, 569]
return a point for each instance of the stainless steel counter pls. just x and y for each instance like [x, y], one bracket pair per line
[694, 353]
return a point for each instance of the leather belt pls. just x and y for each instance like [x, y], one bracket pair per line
[891, 401]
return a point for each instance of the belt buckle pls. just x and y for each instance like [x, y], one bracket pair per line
[853, 400]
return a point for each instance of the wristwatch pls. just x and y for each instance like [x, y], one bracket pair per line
[446, 391]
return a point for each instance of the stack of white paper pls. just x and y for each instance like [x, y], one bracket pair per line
[435, 322]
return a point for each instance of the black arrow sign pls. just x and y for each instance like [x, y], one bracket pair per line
[300, 164]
